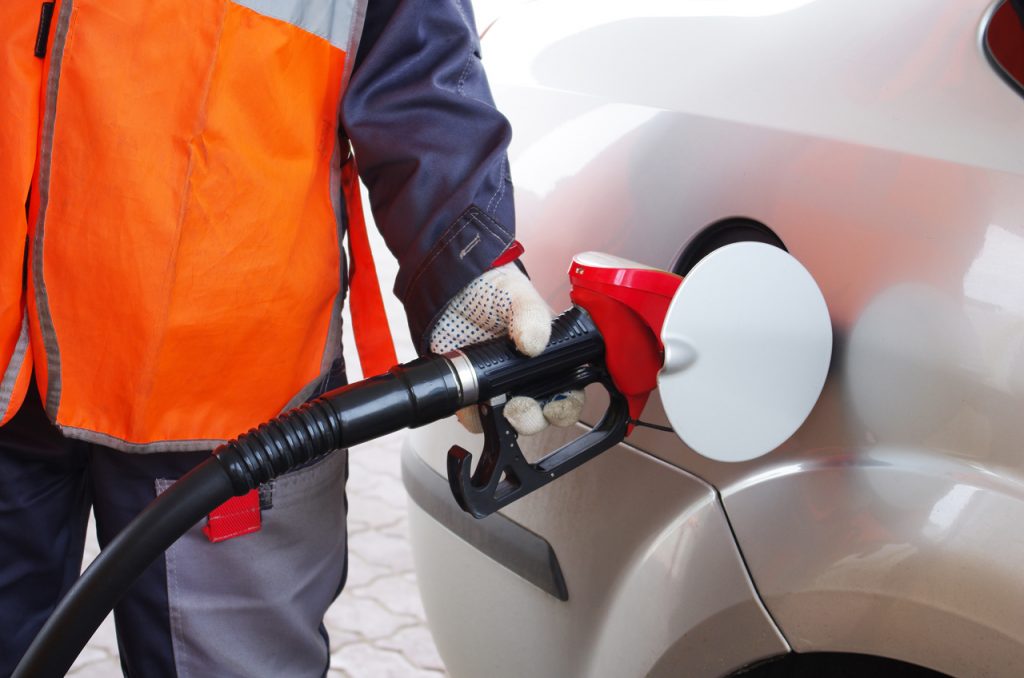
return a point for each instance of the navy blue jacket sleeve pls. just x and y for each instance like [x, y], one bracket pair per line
[431, 149]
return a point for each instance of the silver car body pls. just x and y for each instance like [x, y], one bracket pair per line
[878, 143]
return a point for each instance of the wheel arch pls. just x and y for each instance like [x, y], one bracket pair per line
[889, 552]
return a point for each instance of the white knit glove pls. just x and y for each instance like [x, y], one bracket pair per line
[501, 301]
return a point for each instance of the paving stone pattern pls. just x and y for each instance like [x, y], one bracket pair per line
[377, 626]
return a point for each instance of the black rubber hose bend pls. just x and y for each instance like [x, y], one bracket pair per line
[409, 395]
[412, 394]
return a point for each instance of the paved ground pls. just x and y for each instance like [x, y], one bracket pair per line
[376, 626]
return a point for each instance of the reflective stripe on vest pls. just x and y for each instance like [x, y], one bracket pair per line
[21, 75]
[185, 270]
[15, 380]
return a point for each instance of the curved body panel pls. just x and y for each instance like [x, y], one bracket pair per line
[891, 164]
[647, 557]
[891, 553]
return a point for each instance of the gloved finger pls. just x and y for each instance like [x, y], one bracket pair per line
[564, 409]
[528, 416]
[525, 415]
[529, 317]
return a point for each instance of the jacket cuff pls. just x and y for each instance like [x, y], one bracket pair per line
[466, 250]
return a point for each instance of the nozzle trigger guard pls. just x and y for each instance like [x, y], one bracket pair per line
[503, 474]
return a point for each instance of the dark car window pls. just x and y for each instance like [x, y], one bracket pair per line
[1004, 42]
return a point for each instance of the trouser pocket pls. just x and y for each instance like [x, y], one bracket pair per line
[254, 605]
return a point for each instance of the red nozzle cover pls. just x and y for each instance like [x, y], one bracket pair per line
[628, 302]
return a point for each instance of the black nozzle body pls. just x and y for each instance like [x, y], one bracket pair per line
[500, 368]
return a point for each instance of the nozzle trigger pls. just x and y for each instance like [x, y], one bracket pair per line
[503, 474]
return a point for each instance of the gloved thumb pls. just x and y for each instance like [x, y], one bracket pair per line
[504, 300]
[529, 317]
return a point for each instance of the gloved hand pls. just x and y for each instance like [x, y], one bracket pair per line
[500, 301]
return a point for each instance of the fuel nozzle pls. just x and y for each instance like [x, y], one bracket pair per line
[610, 337]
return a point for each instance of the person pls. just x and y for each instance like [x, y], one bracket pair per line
[175, 181]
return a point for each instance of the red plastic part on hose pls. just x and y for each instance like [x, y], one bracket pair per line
[235, 517]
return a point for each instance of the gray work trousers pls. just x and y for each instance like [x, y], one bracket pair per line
[250, 606]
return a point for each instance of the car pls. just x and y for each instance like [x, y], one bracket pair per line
[882, 145]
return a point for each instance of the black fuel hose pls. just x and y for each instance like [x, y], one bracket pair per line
[409, 395]
[78, 616]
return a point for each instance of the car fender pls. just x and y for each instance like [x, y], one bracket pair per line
[643, 548]
[892, 552]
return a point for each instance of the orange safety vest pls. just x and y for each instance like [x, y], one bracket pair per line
[184, 277]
